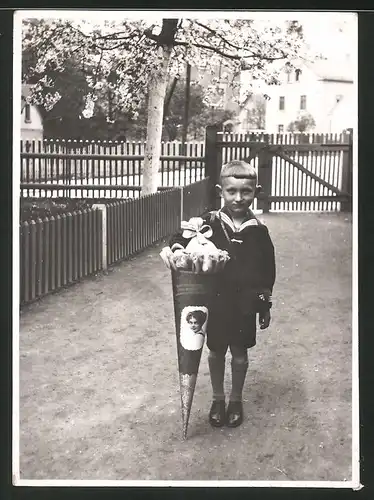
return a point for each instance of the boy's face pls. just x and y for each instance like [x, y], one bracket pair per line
[238, 194]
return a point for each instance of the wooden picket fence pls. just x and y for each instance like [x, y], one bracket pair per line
[58, 251]
[289, 138]
[298, 172]
[103, 169]
[134, 224]
[114, 169]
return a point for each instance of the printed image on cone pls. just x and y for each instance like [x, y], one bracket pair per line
[193, 327]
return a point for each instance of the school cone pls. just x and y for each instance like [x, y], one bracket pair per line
[190, 290]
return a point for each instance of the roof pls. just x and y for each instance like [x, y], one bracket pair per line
[327, 70]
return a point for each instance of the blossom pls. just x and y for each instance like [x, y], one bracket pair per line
[122, 55]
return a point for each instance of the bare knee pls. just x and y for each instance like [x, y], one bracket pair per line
[216, 355]
[239, 356]
[239, 361]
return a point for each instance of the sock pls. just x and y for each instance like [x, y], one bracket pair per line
[239, 367]
[216, 361]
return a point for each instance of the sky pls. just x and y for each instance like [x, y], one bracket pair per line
[325, 36]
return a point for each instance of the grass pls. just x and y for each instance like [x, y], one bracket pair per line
[99, 384]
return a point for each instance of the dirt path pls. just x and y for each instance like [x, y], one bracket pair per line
[99, 385]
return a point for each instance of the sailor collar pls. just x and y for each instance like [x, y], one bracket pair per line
[250, 220]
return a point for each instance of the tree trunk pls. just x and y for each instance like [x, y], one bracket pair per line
[168, 98]
[156, 98]
[186, 109]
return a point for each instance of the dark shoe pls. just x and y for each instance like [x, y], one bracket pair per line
[234, 414]
[217, 414]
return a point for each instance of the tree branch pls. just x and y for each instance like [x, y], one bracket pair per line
[148, 33]
[167, 35]
[116, 36]
[46, 40]
[230, 56]
[113, 36]
[214, 32]
[112, 47]
[237, 47]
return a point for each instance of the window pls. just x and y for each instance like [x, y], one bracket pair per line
[303, 102]
[297, 74]
[281, 103]
[27, 113]
[280, 129]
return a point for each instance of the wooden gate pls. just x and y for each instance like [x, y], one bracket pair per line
[294, 177]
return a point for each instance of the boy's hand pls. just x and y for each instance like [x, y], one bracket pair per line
[264, 320]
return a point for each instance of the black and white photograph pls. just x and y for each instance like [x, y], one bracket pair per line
[193, 329]
[185, 248]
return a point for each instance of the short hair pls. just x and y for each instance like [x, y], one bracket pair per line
[200, 316]
[239, 169]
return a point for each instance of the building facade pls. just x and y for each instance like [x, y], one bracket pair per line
[31, 118]
[322, 95]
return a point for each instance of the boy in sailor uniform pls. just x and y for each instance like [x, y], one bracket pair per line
[246, 285]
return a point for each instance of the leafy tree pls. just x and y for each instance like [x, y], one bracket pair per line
[256, 113]
[65, 119]
[208, 116]
[174, 119]
[134, 58]
[200, 113]
[303, 123]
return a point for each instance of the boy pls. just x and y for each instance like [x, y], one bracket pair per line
[246, 285]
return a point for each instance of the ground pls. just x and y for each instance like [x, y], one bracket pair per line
[99, 384]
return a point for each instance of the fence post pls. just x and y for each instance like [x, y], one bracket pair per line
[102, 208]
[212, 164]
[182, 202]
[347, 167]
[265, 162]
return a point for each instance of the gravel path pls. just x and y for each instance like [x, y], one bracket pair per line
[99, 384]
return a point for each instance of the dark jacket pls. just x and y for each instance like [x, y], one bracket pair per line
[251, 268]
[248, 274]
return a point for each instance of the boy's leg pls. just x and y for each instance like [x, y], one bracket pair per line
[239, 367]
[216, 360]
